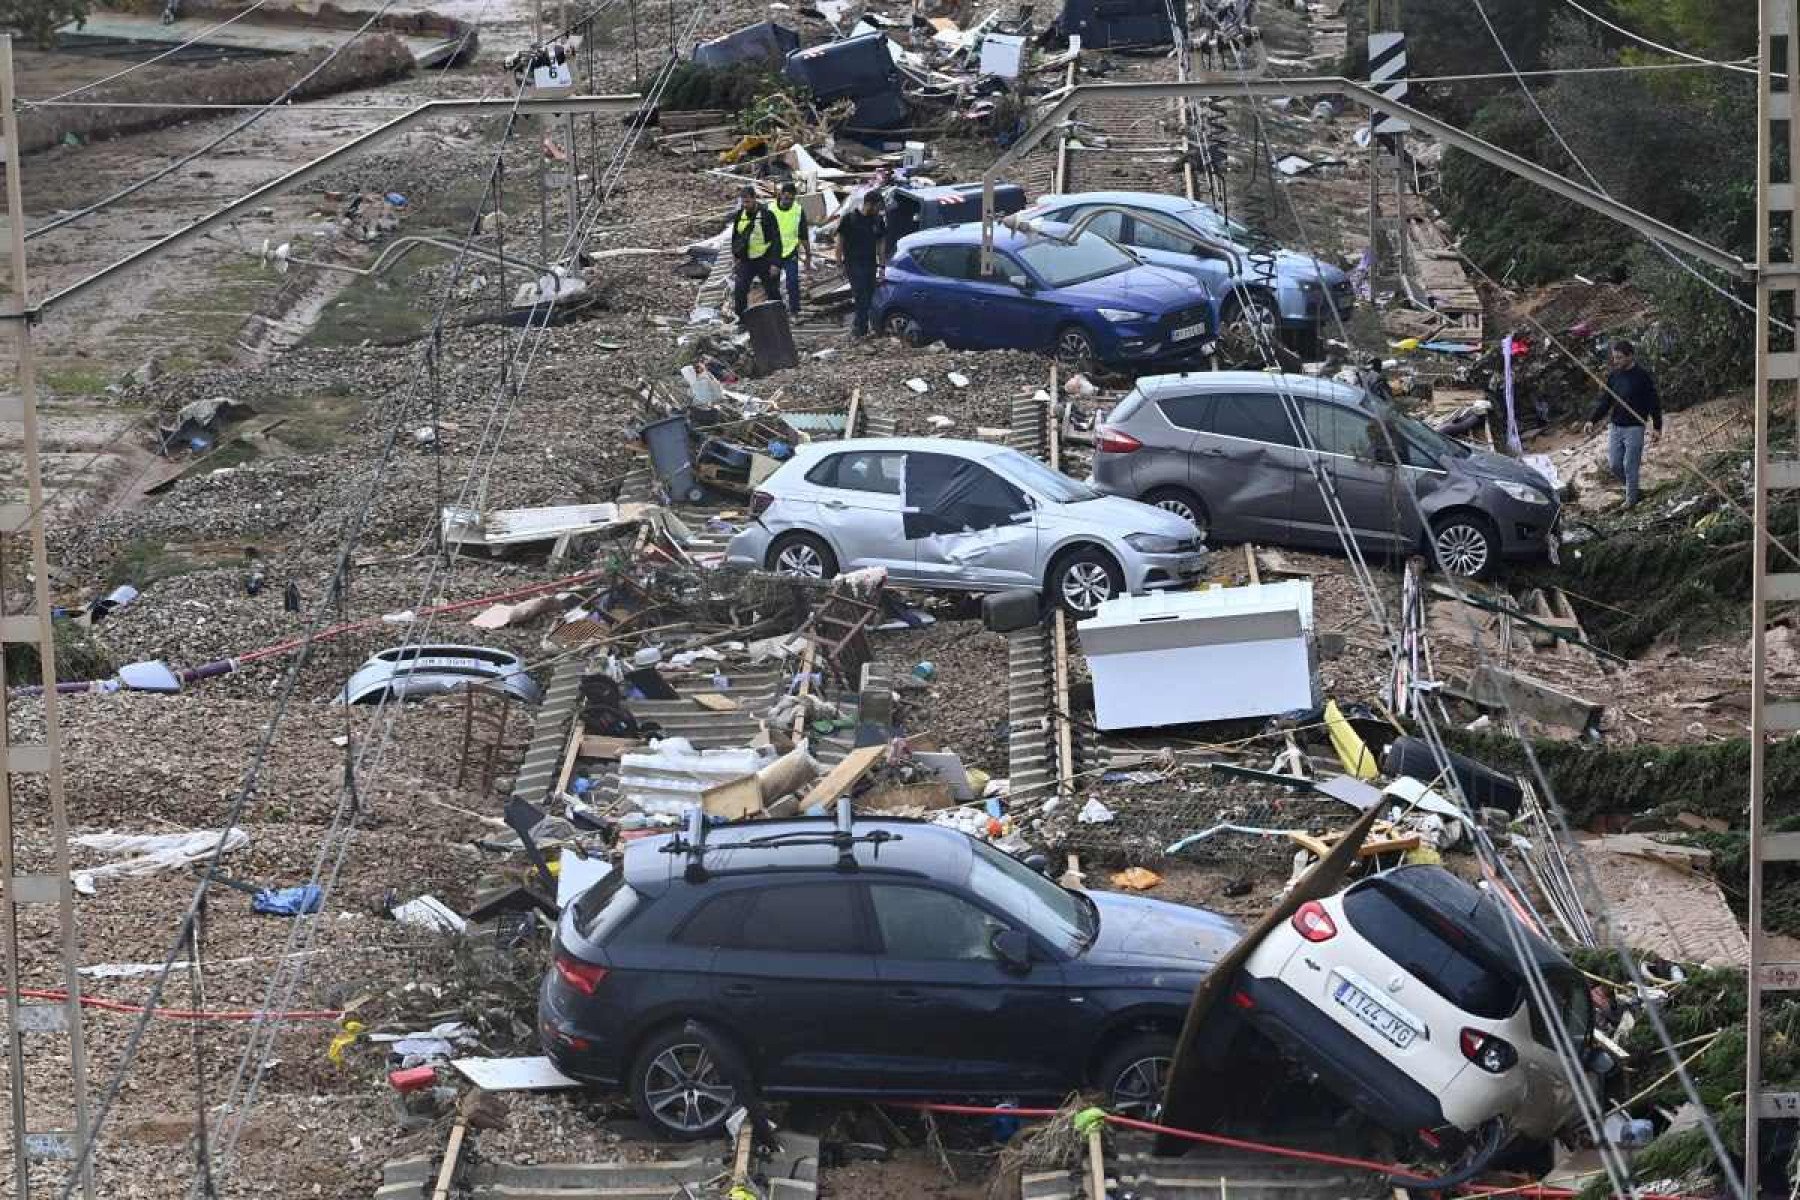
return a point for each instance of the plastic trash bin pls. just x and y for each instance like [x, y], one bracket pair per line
[671, 459]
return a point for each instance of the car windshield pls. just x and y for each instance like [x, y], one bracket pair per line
[1057, 915]
[1423, 436]
[1211, 221]
[1040, 480]
[1062, 264]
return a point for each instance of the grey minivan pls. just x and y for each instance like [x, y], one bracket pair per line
[1222, 449]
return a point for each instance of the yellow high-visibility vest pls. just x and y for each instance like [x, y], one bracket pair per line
[788, 221]
[758, 245]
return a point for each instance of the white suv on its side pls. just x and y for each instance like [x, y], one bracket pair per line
[1405, 995]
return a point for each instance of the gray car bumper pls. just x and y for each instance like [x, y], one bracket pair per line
[1525, 529]
[1152, 572]
[749, 549]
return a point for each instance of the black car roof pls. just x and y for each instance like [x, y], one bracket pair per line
[1467, 908]
[917, 848]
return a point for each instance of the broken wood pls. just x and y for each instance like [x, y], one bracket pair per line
[929, 796]
[713, 702]
[844, 776]
[1250, 562]
[1492, 687]
[733, 801]
[1096, 1156]
[570, 754]
[452, 1152]
[1320, 847]
[605, 748]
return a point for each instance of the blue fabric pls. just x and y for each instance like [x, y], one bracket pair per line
[1625, 452]
[790, 272]
[289, 901]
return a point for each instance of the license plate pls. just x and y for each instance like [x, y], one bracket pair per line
[1371, 1013]
[1186, 332]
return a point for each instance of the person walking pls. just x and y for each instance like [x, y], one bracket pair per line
[795, 243]
[755, 245]
[861, 252]
[1630, 402]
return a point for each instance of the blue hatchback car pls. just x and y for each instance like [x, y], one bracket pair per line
[1082, 298]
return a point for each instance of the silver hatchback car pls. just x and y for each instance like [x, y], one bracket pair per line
[962, 516]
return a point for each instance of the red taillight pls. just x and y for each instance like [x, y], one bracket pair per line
[1430, 1139]
[759, 503]
[1313, 923]
[584, 977]
[1242, 999]
[1108, 440]
[1486, 1051]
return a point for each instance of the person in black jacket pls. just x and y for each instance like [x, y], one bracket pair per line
[1630, 402]
[755, 250]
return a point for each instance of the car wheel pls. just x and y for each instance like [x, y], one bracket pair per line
[802, 556]
[1249, 326]
[679, 1085]
[1074, 348]
[1132, 1076]
[898, 323]
[1082, 580]
[1183, 504]
[1465, 544]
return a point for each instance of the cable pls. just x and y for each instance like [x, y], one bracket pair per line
[203, 34]
[1639, 38]
[209, 147]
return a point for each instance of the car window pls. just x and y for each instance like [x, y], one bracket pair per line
[1188, 412]
[1575, 1006]
[714, 923]
[1339, 430]
[951, 262]
[1011, 886]
[1110, 225]
[1050, 484]
[1257, 417]
[818, 918]
[861, 471]
[601, 909]
[1429, 443]
[1430, 955]
[946, 494]
[918, 923]
[1149, 237]
[1061, 264]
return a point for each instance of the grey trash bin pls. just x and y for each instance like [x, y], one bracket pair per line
[671, 459]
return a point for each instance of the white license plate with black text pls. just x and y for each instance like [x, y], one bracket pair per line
[1373, 1013]
[1186, 332]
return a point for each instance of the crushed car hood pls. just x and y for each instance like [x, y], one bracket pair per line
[1115, 513]
[1139, 931]
[1488, 465]
[1154, 290]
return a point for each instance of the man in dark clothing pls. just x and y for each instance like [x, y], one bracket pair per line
[861, 252]
[1630, 402]
[755, 251]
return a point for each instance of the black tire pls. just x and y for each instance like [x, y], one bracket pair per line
[1074, 347]
[1132, 1074]
[679, 1086]
[898, 323]
[1238, 336]
[1183, 504]
[1078, 577]
[1465, 543]
[790, 553]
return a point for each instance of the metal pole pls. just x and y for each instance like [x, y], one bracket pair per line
[1374, 173]
[25, 1021]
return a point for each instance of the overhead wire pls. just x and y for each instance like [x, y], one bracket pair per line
[1640, 39]
[138, 66]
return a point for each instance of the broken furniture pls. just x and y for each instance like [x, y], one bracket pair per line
[466, 527]
[840, 626]
[1172, 657]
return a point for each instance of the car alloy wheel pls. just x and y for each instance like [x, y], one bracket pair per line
[1085, 584]
[800, 559]
[1138, 1089]
[1463, 548]
[1073, 348]
[901, 325]
[684, 1089]
[1250, 328]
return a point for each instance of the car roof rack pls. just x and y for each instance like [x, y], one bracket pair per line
[692, 842]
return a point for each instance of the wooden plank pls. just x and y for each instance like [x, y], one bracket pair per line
[735, 800]
[570, 754]
[1096, 1156]
[1250, 561]
[714, 702]
[907, 795]
[452, 1152]
[607, 749]
[843, 777]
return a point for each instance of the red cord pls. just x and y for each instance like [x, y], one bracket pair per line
[1534, 1191]
[179, 1014]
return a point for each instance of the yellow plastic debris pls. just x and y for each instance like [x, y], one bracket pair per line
[978, 781]
[1136, 879]
[343, 1041]
[1088, 1120]
[1422, 856]
[1404, 345]
[1351, 750]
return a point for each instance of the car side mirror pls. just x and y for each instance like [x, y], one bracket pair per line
[1013, 949]
[1022, 282]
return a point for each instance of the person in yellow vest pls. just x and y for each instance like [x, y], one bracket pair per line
[795, 243]
[755, 250]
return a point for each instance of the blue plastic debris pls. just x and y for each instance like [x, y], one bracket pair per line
[288, 901]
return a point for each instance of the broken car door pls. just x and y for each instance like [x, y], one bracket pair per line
[967, 525]
[953, 1017]
[1369, 486]
[794, 975]
[858, 494]
[1245, 466]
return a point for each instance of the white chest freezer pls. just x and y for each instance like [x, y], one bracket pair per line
[1224, 653]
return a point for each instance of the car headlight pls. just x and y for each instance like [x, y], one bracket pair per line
[1120, 314]
[1310, 286]
[1524, 493]
[1155, 543]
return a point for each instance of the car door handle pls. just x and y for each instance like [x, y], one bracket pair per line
[907, 996]
[1211, 451]
[738, 991]
[835, 504]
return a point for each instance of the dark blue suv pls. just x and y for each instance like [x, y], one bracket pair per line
[888, 958]
[1082, 298]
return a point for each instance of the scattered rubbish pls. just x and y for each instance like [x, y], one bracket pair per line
[533, 1074]
[939, 422]
[957, 379]
[149, 677]
[415, 672]
[288, 901]
[1351, 750]
[925, 672]
[1002, 54]
[151, 852]
[671, 776]
[1080, 386]
[764, 42]
[575, 874]
[412, 1079]
[1480, 784]
[1094, 813]
[197, 424]
[428, 912]
[918, 385]
[1136, 879]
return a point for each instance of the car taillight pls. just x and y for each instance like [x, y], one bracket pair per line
[1493, 1055]
[759, 503]
[584, 977]
[1313, 923]
[1108, 440]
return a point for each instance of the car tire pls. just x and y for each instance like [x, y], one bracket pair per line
[1239, 318]
[1466, 544]
[1074, 348]
[1082, 578]
[1183, 504]
[1132, 1074]
[898, 323]
[680, 1085]
[802, 556]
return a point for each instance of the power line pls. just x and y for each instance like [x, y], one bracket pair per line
[138, 66]
[1641, 40]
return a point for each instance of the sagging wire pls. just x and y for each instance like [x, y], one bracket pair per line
[138, 66]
